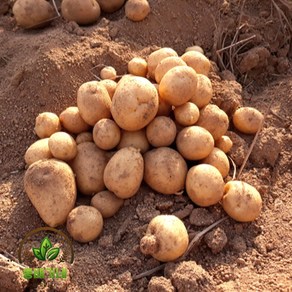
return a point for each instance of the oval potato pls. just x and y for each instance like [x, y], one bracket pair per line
[137, 10]
[204, 91]
[138, 67]
[187, 114]
[47, 124]
[199, 62]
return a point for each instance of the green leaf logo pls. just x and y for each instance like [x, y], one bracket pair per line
[45, 246]
[37, 254]
[52, 253]
[46, 250]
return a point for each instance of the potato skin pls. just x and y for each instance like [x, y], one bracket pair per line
[195, 48]
[241, 201]
[108, 72]
[110, 6]
[110, 86]
[37, 151]
[137, 10]
[84, 137]
[138, 67]
[50, 186]
[47, 124]
[187, 114]
[124, 172]
[224, 143]
[204, 91]
[199, 62]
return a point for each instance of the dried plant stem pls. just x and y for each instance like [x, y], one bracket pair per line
[55, 6]
[13, 262]
[234, 167]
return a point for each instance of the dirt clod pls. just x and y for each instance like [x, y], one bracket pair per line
[216, 240]
[239, 148]
[201, 217]
[160, 284]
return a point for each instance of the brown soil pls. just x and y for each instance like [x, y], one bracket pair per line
[40, 70]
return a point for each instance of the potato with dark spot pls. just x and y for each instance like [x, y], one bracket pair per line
[37, 151]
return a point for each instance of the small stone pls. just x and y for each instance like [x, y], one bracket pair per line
[201, 217]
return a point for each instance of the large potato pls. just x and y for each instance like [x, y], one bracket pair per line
[204, 91]
[124, 172]
[187, 114]
[138, 66]
[197, 61]
[110, 6]
[50, 186]
[47, 124]
[93, 102]
[165, 170]
[137, 10]
[37, 151]
[88, 166]
[135, 103]
[178, 85]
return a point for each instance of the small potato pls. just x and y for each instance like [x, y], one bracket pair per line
[138, 67]
[106, 134]
[218, 159]
[166, 238]
[62, 146]
[137, 10]
[81, 11]
[213, 119]
[124, 172]
[247, 120]
[194, 143]
[196, 49]
[37, 151]
[165, 170]
[72, 121]
[224, 143]
[178, 85]
[110, 6]
[157, 56]
[107, 203]
[93, 102]
[47, 124]
[110, 86]
[204, 91]
[164, 108]
[204, 185]
[241, 201]
[136, 139]
[187, 114]
[108, 72]
[165, 65]
[84, 137]
[84, 223]
[197, 61]
[161, 132]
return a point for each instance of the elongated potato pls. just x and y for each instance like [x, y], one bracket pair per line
[187, 114]
[204, 91]
[37, 151]
[197, 61]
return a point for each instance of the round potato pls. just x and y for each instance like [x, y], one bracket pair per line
[84, 223]
[84, 137]
[214, 119]
[194, 143]
[197, 61]
[106, 134]
[81, 11]
[224, 143]
[50, 186]
[241, 201]
[187, 114]
[47, 124]
[138, 67]
[204, 91]
[110, 86]
[137, 10]
[108, 72]
[178, 85]
[124, 172]
[247, 120]
[88, 166]
[93, 102]
[204, 185]
[110, 6]
[135, 103]
[107, 203]
[161, 132]
[72, 121]
[195, 48]
[165, 170]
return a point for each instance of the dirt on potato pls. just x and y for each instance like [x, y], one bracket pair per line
[41, 70]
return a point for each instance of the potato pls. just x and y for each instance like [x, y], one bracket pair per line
[204, 185]
[165, 170]
[197, 61]
[161, 132]
[138, 67]
[108, 72]
[178, 85]
[135, 103]
[157, 56]
[204, 91]
[213, 119]
[84, 223]
[224, 143]
[136, 139]
[106, 134]
[81, 11]
[110, 86]
[33, 13]
[165, 65]
[194, 143]
[247, 120]
[166, 238]
[124, 172]
[47, 124]
[93, 102]
[37, 151]
[62, 146]
[164, 108]
[137, 10]
[107, 203]
[241, 201]
[72, 121]
[88, 166]
[195, 48]
[110, 6]
[84, 137]
[50, 186]
[187, 114]
[218, 159]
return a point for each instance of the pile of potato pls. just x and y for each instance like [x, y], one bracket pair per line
[157, 125]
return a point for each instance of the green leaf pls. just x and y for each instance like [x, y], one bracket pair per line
[52, 253]
[45, 246]
[37, 254]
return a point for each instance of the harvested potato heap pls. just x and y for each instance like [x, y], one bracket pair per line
[123, 132]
